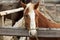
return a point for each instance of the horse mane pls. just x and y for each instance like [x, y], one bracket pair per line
[44, 22]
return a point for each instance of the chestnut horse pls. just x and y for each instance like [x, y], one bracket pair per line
[34, 18]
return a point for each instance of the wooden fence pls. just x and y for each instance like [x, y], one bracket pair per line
[41, 32]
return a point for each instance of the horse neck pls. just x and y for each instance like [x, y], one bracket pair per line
[42, 20]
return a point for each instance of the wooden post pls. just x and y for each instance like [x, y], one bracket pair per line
[2, 21]
[55, 13]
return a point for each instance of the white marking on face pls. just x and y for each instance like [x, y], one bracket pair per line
[32, 23]
[32, 19]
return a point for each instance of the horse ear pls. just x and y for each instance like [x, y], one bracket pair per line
[22, 4]
[36, 5]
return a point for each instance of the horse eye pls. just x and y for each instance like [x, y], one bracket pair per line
[36, 15]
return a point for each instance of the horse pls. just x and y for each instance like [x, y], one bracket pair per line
[35, 19]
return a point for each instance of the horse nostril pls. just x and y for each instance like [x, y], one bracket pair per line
[32, 32]
[29, 33]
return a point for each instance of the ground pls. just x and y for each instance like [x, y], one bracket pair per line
[8, 22]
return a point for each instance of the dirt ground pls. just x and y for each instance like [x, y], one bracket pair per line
[8, 22]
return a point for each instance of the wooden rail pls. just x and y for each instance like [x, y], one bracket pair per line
[2, 13]
[11, 11]
[41, 32]
[50, 4]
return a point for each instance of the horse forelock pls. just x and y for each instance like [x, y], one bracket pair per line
[29, 6]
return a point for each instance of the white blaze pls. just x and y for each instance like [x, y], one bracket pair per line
[32, 18]
[32, 23]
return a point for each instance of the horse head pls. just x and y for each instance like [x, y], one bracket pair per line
[30, 17]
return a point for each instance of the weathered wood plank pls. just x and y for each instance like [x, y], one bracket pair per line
[11, 11]
[45, 32]
[13, 31]
[50, 4]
